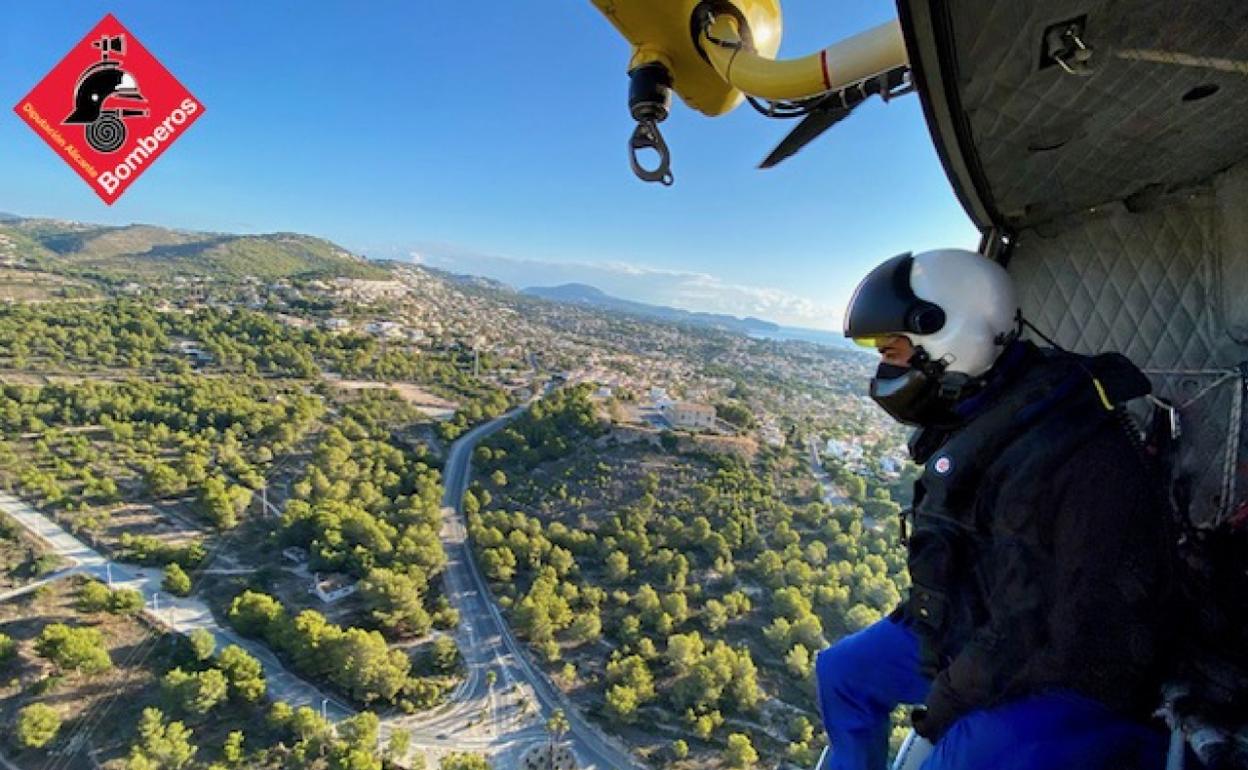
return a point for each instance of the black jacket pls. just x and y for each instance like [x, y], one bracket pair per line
[1039, 557]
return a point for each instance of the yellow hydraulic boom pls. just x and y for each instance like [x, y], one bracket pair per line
[714, 53]
[848, 62]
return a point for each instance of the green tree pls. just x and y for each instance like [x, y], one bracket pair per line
[622, 702]
[856, 488]
[196, 693]
[633, 672]
[705, 724]
[360, 731]
[587, 627]
[801, 730]
[37, 725]
[680, 749]
[305, 724]
[741, 753]
[445, 654]
[222, 502]
[798, 662]
[463, 760]
[789, 603]
[74, 649]
[499, 564]
[203, 643]
[684, 651]
[161, 745]
[364, 665]
[233, 748]
[617, 567]
[800, 753]
[93, 596]
[398, 745]
[557, 725]
[126, 601]
[8, 649]
[254, 613]
[860, 616]
[715, 615]
[280, 714]
[164, 481]
[735, 414]
[176, 581]
[396, 600]
[243, 672]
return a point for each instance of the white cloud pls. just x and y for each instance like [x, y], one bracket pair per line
[674, 288]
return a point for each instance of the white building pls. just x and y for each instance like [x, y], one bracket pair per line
[332, 587]
[687, 414]
[842, 450]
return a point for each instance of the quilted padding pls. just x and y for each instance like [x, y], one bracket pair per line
[1150, 286]
[1138, 284]
[1050, 143]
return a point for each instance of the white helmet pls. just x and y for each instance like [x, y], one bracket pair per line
[957, 306]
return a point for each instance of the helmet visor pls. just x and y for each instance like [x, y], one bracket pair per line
[871, 343]
[884, 305]
[881, 301]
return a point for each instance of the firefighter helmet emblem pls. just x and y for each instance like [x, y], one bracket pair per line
[98, 93]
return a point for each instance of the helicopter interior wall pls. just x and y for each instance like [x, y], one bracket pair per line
[1168, 287]
[1161, 103]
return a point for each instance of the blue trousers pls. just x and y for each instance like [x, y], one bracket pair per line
[864, 676]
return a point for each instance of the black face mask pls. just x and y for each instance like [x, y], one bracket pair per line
[913, 396]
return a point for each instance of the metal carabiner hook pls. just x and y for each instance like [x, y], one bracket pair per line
[647, 137]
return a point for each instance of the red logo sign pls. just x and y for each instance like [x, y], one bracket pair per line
[109, 109]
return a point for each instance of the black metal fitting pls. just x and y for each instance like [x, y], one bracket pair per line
[649, 92]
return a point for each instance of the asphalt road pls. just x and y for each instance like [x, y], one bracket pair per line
[514, 710]
[501, 718]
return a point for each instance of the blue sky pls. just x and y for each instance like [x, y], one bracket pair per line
[492, 141]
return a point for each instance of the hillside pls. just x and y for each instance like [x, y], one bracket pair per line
[145, 252]
[583, 294]
[593, 297]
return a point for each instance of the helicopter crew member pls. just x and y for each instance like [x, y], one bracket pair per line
[1037, 543]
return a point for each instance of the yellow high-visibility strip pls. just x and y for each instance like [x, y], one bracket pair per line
[1100, 391]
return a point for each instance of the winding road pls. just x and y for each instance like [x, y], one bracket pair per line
[507, 716]
[500, 708]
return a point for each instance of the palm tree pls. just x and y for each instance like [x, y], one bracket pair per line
[557, 726]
